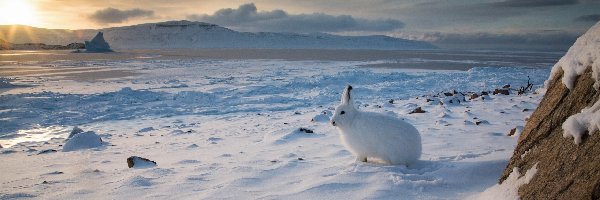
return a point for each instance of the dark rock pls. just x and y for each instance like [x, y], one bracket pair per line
[1, 146]
[512, 132]
[47, 151]
[391, 101]
[526, 109]
[565, 170]
[76, 45]
[501, 91]
[417, 110]
[306, 130]
[506, 86]
[473, 96]
[135, 161]
[300, 158]
[484, 93]
[448, 94]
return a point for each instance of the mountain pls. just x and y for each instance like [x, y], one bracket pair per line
[187, 34]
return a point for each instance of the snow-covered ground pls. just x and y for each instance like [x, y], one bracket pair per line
[229, 129]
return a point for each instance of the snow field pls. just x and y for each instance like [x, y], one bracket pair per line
[230, 130]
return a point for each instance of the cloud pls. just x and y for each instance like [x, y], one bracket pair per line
[536, 3]
[248, 18]
[540, 40]
[588, 18]
[112, 15]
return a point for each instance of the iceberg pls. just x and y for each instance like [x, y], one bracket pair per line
[98, 44]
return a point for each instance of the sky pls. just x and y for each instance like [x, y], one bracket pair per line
[453, 23]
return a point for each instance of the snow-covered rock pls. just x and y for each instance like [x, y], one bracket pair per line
[139, 162]
[83, 140]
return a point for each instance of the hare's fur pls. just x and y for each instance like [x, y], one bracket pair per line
[369, 134]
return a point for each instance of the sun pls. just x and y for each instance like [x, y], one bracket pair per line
[17, 12]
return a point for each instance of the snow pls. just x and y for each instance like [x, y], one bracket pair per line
[509, 189]
[83, 140]
[234, 131]
[585, 53]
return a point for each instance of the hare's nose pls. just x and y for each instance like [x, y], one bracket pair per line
[333, 123]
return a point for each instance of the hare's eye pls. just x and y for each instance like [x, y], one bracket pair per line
[343, 112]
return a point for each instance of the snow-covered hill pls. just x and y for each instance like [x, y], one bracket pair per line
[186, 34]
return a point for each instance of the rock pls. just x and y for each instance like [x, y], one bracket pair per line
[98, 44]
[448, 94]
[512, 132]
[76, 45]
[306, 130]
[47, 151]
[417, 110]
[391, 101]
[473, 96]
[506, 86]
[501, 91]
[76, 130]
[139, 162]
[83, 140]
[565, 170]
[1, 146]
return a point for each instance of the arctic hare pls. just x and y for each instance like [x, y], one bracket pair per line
[369, 134]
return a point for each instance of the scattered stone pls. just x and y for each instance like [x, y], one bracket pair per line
[448, 94]
[506, 86]
[45, 182]
[47, 151]
[55, 173]
[391, 101]
[478, 122]
[147, 129]
[300, 158]
[139, 162]
[273, 161]
[306, 130]
[417, 110]
[484, 93]
[297, 113]
[512, 131]
[473, 96]
[526, 109]
[501, 91]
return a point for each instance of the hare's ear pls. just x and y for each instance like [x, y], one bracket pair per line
[346, 99]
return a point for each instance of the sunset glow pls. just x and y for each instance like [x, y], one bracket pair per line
[17, 12]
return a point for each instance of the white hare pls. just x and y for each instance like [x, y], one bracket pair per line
[369, 134]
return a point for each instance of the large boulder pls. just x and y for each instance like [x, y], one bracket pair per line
[98, 44]
[568, 167]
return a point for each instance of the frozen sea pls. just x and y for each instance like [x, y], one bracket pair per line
[223, 123]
